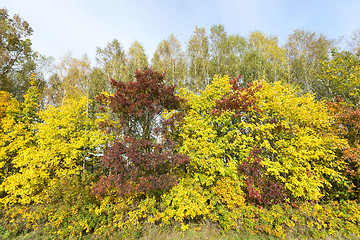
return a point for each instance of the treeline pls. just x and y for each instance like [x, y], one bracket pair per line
[275, 150]
[299, 61]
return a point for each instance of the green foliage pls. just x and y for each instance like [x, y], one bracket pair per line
[16, 54]
[264, 58]
[170, 59]
[305, 51]
[341, 77]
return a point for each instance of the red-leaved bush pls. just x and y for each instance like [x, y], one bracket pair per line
[143, 158]
[262, 189]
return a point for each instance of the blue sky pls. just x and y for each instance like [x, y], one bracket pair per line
[80, 26]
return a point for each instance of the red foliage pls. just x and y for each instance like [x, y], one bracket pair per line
[347, 120]
[240, 100]
[262, 190]
[144, 161]
[138, 104]
[347, 125]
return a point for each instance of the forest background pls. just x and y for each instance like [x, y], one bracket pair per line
[241, 132]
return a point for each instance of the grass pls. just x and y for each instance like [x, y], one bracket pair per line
[205, 231]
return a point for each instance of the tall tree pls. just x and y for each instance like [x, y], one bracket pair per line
[198, 52]
[305, 51]
[98, 83]
[16, 127]
[142, 158]
[237, 46]
[137, 59]
[355, 42]
[70, 80]
[264, 58]
[226, 52]
[218, 49]
[340, 77]
[170, 59]
[112, 60]
[16, 55]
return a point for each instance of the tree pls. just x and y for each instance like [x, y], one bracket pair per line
[9, 110]
[252, 66]
[16, 55]
[218, 49]
[98, 83]
[112, 60]
[70, 80]
[264, 57]
[355, 42]
[5, 98]
[226, 52]
[199, 60]
[64, 142]
[137, 59]
[237, 45]
[170, 59]
[305, 51]
[340, 77]
[16, 128]
[142, 158]
[347, 125]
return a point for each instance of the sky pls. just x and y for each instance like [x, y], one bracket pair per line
[81, 26]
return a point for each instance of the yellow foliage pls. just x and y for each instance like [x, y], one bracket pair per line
[292, 131]
[341, 76]
[229, 192]
[305, 154]
[15, 128]
[185, 201]
[65, 141]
